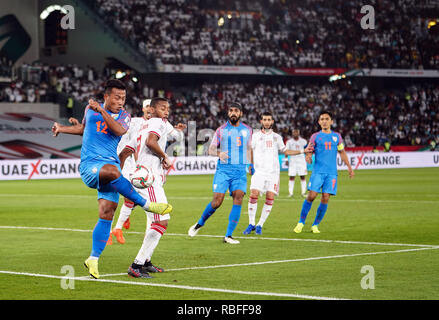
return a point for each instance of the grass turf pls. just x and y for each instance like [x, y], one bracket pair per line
[387, 219]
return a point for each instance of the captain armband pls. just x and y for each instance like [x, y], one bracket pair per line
[340, 147]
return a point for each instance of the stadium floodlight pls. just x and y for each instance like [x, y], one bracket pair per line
[120, 74]
[46, 12]
[431, 23]
[146, 102]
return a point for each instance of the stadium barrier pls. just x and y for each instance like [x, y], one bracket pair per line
[69, 168]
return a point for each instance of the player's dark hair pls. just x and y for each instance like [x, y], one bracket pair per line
[266, 114]
[235, 105]
[325, 112]
[113, 83]
[156, 100]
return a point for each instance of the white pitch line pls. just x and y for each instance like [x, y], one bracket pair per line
[76, 196]
[286, 261]
[252, 293]
[244, 238]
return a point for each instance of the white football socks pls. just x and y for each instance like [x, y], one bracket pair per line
[125, 212]
[252, 208]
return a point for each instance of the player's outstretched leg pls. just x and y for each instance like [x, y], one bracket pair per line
[234, 216]
[110, 174]
[207, 213]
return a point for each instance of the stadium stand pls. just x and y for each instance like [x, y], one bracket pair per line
[277, 33]
[307, 33]
[405, 115]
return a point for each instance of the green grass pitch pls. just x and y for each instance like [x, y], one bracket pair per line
[381, 230]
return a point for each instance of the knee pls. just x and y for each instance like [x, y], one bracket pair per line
[109, 173]
[325, 198]
[254, 194]
[311, 196]
[106, 211]
[216, 203]
[237, 198]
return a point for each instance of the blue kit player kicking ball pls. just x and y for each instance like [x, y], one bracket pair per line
[232, 144]
[102, 128]
[326, 144]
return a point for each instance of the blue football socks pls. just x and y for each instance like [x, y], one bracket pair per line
[234, 216]
[208, 211]
[101, 233]
[321, 210]
[124, 187]
[305, 210]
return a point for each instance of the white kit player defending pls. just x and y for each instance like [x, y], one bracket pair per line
[129, 165]
[297, 164]
[266, 146]
[150, 144]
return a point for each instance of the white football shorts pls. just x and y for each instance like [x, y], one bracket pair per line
[297, 168]
[264, 183]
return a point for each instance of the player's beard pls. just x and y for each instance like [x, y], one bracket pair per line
[234, 119]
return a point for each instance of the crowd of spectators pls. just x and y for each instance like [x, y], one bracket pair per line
[278, 33]
[406, 115]
[41, 82]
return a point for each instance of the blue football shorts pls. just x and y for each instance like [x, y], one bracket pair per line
[323, 183]
[89, 171]
[224, 180]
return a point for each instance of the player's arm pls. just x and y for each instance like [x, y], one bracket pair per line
[76, 128]
[124, 154]
[309, 150]
[214, 152]
[289, 152]
[251, 144]
[112, 124]
[153, 145]
[251, 164]
[345, 159]
[177, 132]
[213, 148]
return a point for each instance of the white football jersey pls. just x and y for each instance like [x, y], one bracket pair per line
[145, 156]
[134, 128]
[266, 147]
[297, 145]
[137, 124]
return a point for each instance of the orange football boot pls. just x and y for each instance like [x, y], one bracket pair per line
[127, 223]
[119, 235]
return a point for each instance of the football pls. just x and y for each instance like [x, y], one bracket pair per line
[142, 177]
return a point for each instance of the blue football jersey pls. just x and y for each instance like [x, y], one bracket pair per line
[236, 141]
[98, 141]
[326, 147]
